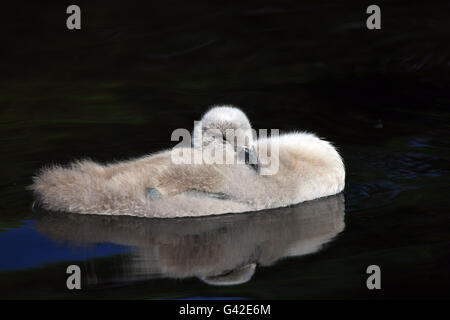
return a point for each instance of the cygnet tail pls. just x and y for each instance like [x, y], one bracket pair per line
[68, 189]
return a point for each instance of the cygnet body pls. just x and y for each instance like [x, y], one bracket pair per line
[155, 186]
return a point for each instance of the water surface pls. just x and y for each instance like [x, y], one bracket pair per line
[134, 73]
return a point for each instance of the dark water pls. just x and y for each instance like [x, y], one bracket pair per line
[134, 73]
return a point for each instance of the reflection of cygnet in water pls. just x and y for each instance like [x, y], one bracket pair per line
[305, 167]
[219, 250]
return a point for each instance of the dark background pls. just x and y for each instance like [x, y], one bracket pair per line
[137, 70]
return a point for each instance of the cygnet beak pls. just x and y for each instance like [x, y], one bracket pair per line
[249, 156]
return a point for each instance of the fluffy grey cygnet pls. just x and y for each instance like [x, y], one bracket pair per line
[155, 186]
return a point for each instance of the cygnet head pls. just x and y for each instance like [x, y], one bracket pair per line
[226, 125]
